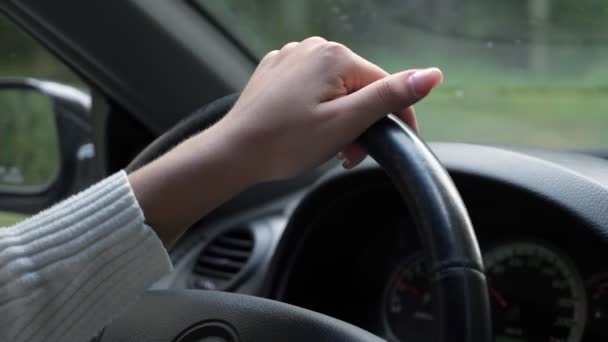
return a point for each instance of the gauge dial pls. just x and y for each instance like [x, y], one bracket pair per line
[536, 294]
[407, 306]
[597, 325]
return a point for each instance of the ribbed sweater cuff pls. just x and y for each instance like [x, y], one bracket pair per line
[68, 271]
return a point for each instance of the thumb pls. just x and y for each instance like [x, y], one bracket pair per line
[389, 94]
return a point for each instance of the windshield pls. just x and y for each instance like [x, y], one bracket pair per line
[517, 72]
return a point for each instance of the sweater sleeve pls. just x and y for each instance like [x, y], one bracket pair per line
[68, 271]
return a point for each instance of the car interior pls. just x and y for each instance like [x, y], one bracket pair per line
[428, 239]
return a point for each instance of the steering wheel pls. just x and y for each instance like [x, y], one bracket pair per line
[458, 284]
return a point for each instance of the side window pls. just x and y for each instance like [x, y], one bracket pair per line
[22, 56]
[30, 160]
[29, 151]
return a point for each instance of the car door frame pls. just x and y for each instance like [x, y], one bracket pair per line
[155, 60]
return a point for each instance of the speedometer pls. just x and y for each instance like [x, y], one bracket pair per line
[536, 293]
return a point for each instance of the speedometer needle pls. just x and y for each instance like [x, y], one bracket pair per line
[499, 298]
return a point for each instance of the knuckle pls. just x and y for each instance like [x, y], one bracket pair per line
[336, 48]
[333, 52]
[315, 39]
[269, 55]
[389, 92]
[289, 46]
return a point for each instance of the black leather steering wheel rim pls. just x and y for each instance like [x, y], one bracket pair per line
[458, 283]
[456, 273]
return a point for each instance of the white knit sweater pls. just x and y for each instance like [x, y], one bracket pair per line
[66, 272]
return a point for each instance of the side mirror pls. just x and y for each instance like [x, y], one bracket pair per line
[46, 149]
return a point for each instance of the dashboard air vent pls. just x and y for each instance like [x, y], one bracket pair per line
[222, 259]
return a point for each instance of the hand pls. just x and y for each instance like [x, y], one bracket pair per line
[302, 105]
[309, 100]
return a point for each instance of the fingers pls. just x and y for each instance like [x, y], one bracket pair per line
[289, 46]
[408, 115]
[366, 92]
[373, 73]
[313, 41]
[352, 155]
[369, 108]
[366, 73]
[269, 57]
[387, 95]
[358, 72]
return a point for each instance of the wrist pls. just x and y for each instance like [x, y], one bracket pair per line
[192, 179]
[234, 152]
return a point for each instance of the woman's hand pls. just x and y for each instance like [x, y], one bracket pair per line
[309, 100]
[304, 103]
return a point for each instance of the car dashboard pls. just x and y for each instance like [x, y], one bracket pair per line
[346, 246]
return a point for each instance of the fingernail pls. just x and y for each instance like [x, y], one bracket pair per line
[423, 81]
[340, 156]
